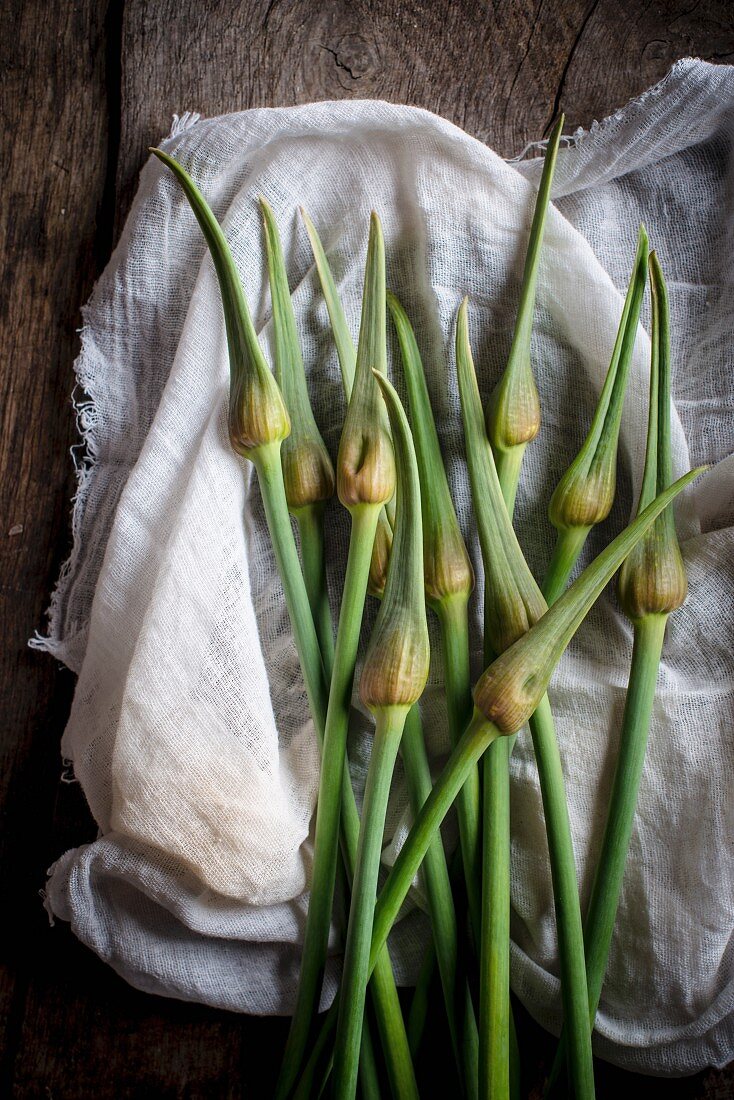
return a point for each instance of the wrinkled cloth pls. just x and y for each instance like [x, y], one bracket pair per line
[189, 730]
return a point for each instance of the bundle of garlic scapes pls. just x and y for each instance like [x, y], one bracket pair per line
[407, 550]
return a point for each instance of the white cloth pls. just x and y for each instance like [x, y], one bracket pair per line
[189, 730]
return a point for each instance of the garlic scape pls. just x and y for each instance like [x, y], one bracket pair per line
[347, 355]
[308, 474]
[513, 410]
[393, 677]
[652, 584]
[505, 697]
[585, 494]
[448, 579]
[652, 580]
[365, 478]
[513, 603]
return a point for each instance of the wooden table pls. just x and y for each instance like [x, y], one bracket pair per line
[85, 90]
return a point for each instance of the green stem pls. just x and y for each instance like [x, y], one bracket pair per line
[310, 522]
[509, 462]
[388, 732]
[384, 994]
[331, 786]
[499, 1057]
[391, 1026]
[569, 544]
[494, 974]
[418, 1013]
[569, 926]
[454, 624]
[600, 918]
[270, 478]
[478, 735]
[457, 998]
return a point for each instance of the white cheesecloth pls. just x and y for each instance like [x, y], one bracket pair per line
[189, 730]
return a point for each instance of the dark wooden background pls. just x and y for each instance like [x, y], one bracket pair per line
[86, 88]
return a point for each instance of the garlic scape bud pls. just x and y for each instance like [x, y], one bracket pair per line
[393, 677]
[446, 566]
[396, 664]
[585, 494]
[366, 464]
[652, 580]
[513, 601]
[307, 470]
[509, 690]
[513, 410]
[257, 413]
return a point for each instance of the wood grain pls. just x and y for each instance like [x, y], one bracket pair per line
[85, 90]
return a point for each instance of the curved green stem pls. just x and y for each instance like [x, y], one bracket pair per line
[569, 926]
[419, 1002]
[604, 901]
[310, 522]
[388, 732]
[478, 736]
[270, 477]
[457, 998]
[509, 465]
[454, 624]
[569, 544]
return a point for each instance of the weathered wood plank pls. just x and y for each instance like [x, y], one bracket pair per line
[500, 70]
[53, 165]
[71, 77]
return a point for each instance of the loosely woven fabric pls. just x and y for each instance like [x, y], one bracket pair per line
[189, 730]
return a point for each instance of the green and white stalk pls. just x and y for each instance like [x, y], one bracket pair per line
[309, 482]
[505, 697]
[513, 410]
[652, 584]
[393, 678]
[585, 494]
[365, 481]
[449, 581]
